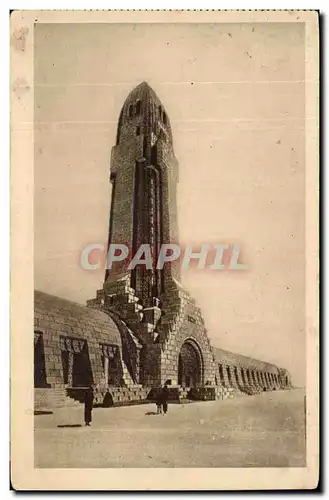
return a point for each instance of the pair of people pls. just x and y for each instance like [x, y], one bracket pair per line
[162, 400]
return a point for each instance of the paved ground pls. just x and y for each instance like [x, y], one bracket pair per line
[266, 430]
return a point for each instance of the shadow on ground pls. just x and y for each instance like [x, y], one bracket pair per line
[70, 425]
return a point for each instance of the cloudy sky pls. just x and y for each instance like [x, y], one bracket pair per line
[234, 94]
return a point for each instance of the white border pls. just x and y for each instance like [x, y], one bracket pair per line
[4, 183]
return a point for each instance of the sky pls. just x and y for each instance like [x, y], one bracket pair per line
[234, 94]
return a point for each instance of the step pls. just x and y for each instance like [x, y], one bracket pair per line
[52, 398]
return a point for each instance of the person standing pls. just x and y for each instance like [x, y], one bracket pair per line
[164, 398]
[158, 402]
[89, 402]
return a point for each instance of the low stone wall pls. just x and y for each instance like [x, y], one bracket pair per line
[114, 396]
[203, 394]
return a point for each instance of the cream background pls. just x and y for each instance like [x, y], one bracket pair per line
[234, 94]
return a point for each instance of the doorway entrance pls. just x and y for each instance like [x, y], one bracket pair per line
[112, 365]
[76, 363]
[190, 365]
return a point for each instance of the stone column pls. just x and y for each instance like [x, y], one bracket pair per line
[233, 377]
[244, 377]
[226, 380]
[254, 379]
[277, 383]
[249, 379]
[273, 381]
[262, 379]
[239, 377]
[259, 379]
[266, 380]
[221, 374]
[106, 370]
[268, 383]
[70, 369]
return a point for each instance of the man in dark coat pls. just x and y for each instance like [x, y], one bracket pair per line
[164, 399]
[158, 401]
[89, 401]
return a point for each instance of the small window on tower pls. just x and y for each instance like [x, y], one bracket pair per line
[164, 117]
[138, 131]
[138, 107]
[130, 111]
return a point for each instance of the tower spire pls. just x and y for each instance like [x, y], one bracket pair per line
[144, 178]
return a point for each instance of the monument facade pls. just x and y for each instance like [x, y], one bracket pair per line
[143, 329]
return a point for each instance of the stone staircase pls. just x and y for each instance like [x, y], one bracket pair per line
[50, 398]
[127, 377]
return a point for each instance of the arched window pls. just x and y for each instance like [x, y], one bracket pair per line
[130, 111]
[138, 107]
[164, 118]
[160, 112]
[138, 130]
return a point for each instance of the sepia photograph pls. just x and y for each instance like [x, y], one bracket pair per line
[167, 167]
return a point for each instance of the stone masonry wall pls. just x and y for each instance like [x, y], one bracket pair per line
[181, 321]
[248, 374]
[55, 318]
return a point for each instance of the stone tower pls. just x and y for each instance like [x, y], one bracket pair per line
[167, 340]
[144, 183]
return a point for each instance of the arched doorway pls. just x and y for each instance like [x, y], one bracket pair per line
[190, 365]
